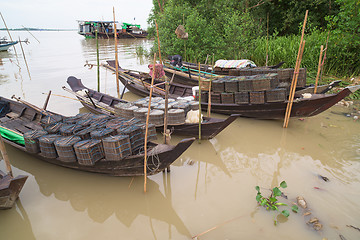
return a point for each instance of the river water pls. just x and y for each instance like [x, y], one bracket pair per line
[210, 191]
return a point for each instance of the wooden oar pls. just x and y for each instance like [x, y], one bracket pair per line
[116, 57]
[43, 111]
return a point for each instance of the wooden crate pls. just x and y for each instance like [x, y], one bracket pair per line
[241, 97]
[257, 97]
[215, 98]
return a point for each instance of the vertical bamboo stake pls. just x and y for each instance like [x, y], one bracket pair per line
[97, 60]
[293, 87]
[199, 106]
[10, 38]
[147, 122]
[24, 58]
[319, 68]
[324, 58]
[167, 85]
[267, 41]
[209, 96]
[5, 157]
[157, 32]
[116, 57]
[294, 80]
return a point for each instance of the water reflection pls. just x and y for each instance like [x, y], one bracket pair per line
[14, 219]
[101, 196]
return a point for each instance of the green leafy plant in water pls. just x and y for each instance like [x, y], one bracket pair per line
[271, 203]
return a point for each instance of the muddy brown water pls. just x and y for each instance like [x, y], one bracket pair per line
[210, 191]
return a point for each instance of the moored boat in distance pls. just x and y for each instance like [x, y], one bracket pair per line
[5, 45]
[105, 29]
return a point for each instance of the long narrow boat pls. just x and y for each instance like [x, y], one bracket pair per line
[22, 118]
[10, 189]
[138, 83]
[190, 76]
[104, 104]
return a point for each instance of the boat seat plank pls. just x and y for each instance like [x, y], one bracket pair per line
[13, 115]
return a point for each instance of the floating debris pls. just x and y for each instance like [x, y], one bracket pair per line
[301, 202]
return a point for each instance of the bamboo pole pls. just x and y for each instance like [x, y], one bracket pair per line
[293, 87]
[199, 106]
[22, 50]
[267, 41]
[209, 95]
[5, 157]
[30, 33]
[97, 60]
[157, 32]
[147, 123]
[319, 68]
[166, 133]
[116, 57]
[10, 39]
[47, 100]
[324, 58]
[296, 74]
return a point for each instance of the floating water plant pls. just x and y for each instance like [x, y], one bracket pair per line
[271, 203]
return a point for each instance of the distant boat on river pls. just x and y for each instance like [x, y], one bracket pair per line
[105, 29]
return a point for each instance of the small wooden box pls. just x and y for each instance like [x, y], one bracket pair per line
[227, 98]
[241, 97]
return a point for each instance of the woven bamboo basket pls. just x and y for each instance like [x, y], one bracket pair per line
[65, 148]
[183, 105]
[89, 151]
[139, 103]
[218, 86]
[176, 116]
[231, 86]
[115, 123]
[156, 117]
[47, 147]
[151, 131]
[116, 147]
[68, 130]
[194, 105]
[152, 106]
[135, 134]
[54, 128]
[102, 133]
[245, 85]
[85, 122]
[261, 84]
[215, 97]
[140, 114]
[257, 97]
[50, 119]
[31, 139]
[227, 98]
[241, 97]
[276, 95]
[85, 133]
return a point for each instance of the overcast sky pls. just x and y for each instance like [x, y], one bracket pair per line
[62, 14]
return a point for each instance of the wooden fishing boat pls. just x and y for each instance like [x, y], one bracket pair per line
[5, 45]
[139, 83]
[189, 75]
[22, 118]
[104, 103]
[10, 189]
